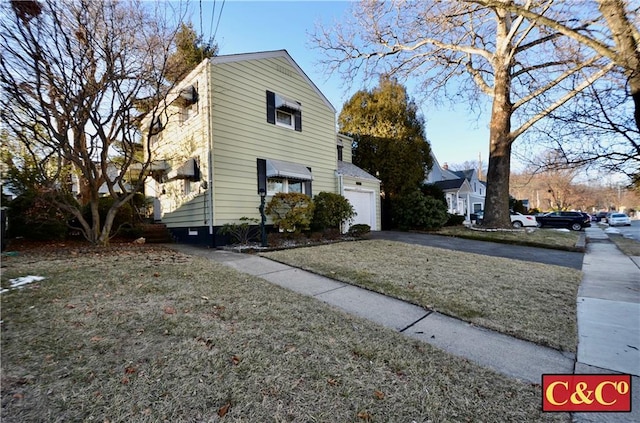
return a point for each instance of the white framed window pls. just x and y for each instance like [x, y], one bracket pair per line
[188, 112]
[285, 119]
[186, 187]
[276, 185]
[284, 112]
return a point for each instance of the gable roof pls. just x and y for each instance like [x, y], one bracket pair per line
[349, 169]
[231, 58]
[449, 183]
[461, 185]
[467, 173]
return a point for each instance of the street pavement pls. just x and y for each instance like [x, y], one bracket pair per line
[608, 313]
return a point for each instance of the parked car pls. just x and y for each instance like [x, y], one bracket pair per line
[518, 220]
[601, 216]
[564, 219]
[619, 219]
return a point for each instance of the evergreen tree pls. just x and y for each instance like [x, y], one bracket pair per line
[389, 138]
[190, 51]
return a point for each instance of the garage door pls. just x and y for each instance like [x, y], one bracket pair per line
[363, 204]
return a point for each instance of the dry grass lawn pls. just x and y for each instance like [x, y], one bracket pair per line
[151, 335]
[546, 238]
[628, 246]
[528, 300]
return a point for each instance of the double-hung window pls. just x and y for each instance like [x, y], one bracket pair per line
[283, 111]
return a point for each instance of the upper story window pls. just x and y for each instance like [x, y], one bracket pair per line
[188, 112]
[285, 119]
[282, 111]
[187, 102]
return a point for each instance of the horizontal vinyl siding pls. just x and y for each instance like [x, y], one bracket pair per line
[192, 213]
[241, 133]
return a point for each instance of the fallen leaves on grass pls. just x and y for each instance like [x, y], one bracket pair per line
[364, 415]
[222, 411]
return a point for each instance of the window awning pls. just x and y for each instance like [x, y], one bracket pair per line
[285, 103]
[186, 96]
[282, 169]
[155, 165]
[187, 170]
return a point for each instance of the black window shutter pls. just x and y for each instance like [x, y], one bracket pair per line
[340, 152]
[298, 118]
[262, 175]
[271, 107]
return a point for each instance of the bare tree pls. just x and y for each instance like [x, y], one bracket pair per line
[619, 41]
[72, 73]
[526, 70]
[603, 128]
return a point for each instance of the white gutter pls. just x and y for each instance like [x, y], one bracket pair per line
[209, 116]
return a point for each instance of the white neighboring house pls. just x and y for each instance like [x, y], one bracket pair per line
[464, 191]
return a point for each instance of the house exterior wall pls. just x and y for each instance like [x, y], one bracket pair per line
[184, 203]
[228, 132]
[460, 200]
[347, 148]
[241, 133]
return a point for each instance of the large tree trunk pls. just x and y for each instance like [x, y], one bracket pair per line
[496, 208]
[623, 32]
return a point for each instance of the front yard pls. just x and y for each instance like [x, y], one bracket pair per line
[144, 334]
[532, 301]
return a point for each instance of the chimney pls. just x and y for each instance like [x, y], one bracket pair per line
[445, 166]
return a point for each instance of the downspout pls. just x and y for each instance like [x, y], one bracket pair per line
[210, 141]
[341, 192]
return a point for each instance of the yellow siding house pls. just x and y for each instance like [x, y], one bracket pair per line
[239, 123]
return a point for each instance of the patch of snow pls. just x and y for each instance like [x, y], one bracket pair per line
[612, 231]
[563, 230]
[18, 283]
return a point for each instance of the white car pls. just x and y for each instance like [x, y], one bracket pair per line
[619, 219]
[518, 220]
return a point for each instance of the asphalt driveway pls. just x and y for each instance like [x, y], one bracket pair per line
[540, 255]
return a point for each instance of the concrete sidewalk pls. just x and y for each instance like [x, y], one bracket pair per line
[609, 307]
[608, 319]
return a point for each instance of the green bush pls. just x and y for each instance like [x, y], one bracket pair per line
[417, 211]
[33, 215]
[359, 230]
[330, 210]
[432, 190]
[243, 232]
[291, 212]
[455, 220]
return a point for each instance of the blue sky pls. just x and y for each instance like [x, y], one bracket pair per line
[456, 136]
